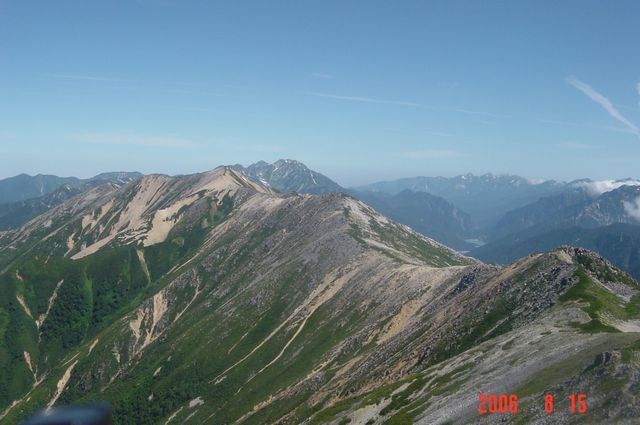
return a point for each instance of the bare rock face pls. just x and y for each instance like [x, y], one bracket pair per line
[288, 175]
[211, 299]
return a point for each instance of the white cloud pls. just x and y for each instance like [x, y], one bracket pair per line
[429, 154]
[633, 208]
[365, 99]
[133, 140]
[605, 103]
[599, 187]
[322, 75]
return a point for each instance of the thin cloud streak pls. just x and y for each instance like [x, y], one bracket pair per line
[429, 154]
[265, 148]
[139, 87]
[589, 126]
[365, 99]
[118, 79]
[426, 132]
[605, 103]
[129, 139]
[126, 139]
[92, 78]
[106, 79]
[628, 129]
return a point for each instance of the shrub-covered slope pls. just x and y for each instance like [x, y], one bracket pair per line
[259, 308]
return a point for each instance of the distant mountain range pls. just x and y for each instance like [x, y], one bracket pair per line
[15, 214]
[19, 206]
[574, 207]
[486, 198]
[24, 186]
[511, 215]
[212, 298]
[607, 222]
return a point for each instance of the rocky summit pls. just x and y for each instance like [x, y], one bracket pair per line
[288, 175]
[213, 299]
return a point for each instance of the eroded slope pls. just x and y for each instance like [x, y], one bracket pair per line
[301, 308]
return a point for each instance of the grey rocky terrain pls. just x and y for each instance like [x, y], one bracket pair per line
[211, 299]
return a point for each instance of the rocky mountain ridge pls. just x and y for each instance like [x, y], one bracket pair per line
[288, 175]
[430, 215]
[257, 307]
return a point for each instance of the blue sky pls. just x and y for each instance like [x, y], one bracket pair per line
[359, 90]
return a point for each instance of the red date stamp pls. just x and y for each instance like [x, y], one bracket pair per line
[494, 403]
[508, 403]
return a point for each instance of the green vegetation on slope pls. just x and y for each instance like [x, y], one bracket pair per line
[497, 321]
[402, 240]
[599, 302]
[76, 300]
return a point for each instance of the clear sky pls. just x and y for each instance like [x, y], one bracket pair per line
[359, 90]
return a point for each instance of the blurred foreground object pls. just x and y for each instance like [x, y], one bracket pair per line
[88, 414]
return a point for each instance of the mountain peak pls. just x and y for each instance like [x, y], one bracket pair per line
[145, 211]
[289, 161]
[289, 175]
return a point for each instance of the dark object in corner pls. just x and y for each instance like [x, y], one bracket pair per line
[88, 414]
